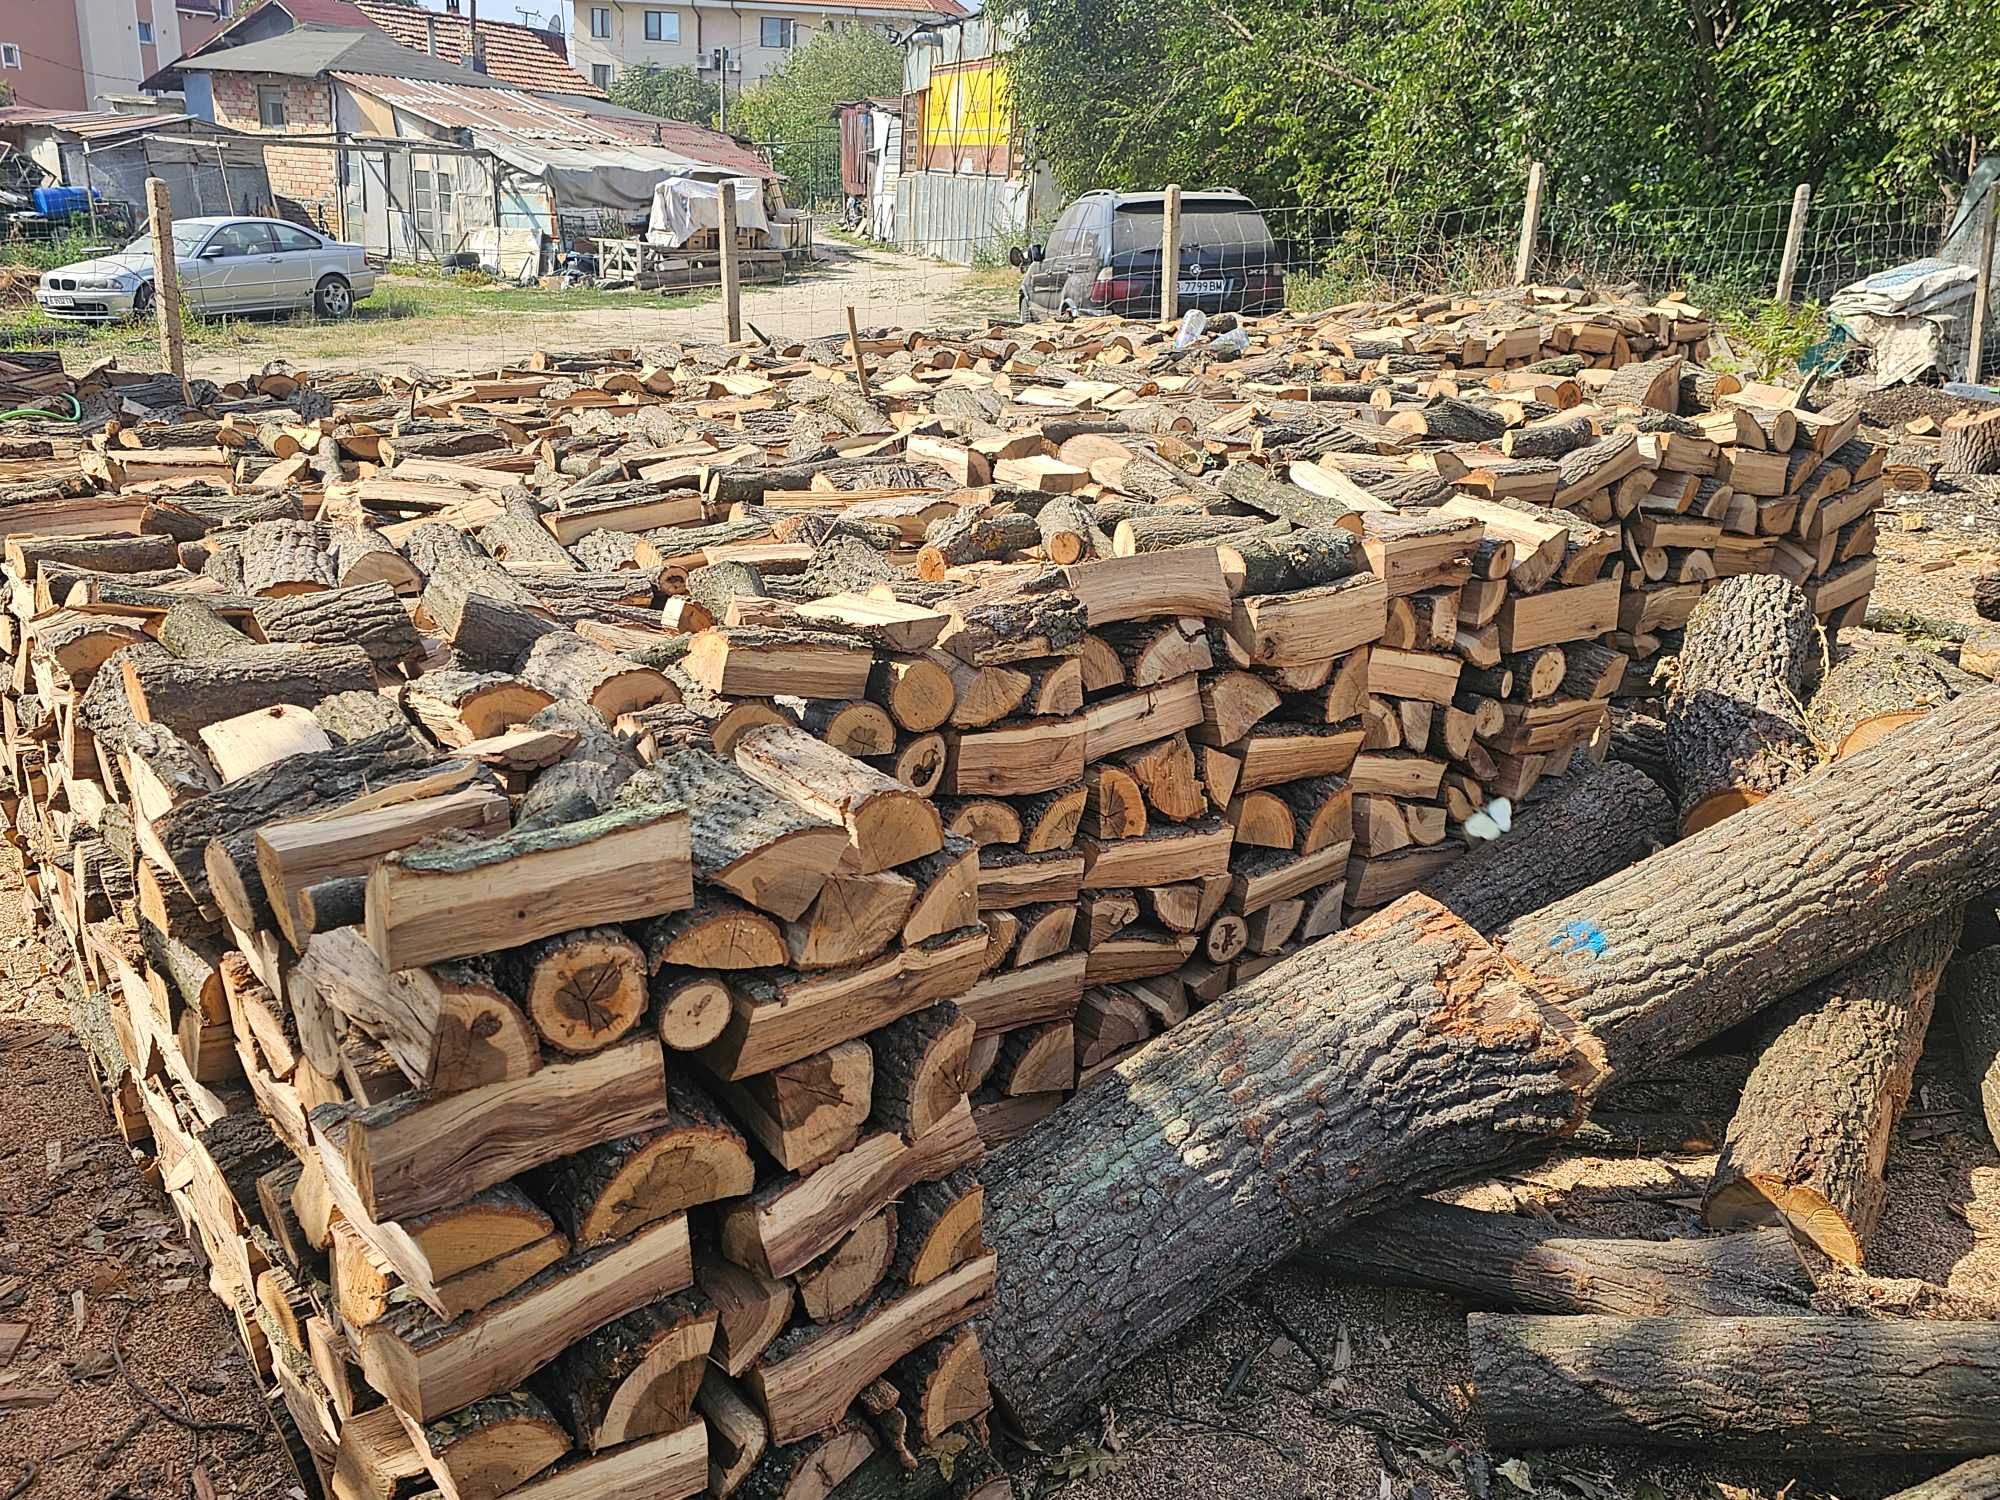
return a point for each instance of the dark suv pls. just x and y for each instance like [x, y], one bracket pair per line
[1103, 256]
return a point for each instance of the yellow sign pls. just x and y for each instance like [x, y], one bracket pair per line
[967, 107]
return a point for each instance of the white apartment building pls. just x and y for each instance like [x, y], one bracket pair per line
[750, 38]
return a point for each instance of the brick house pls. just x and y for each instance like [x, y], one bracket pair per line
[281, 104]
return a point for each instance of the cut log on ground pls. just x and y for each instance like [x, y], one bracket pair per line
[1811, 1134]
[1736, 726]
[1873, 691]
[1808, 1388]
[1512, 1262]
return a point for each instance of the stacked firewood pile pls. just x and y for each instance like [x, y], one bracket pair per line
[576, 866]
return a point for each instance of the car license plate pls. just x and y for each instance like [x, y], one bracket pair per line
[1212, 288]
[58, 299]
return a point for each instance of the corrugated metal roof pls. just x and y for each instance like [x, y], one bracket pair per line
[515, 54]
[312, 50]
[94, 124]
[494, 115]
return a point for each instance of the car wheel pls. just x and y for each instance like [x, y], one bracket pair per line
[333, 298]
[142, 300]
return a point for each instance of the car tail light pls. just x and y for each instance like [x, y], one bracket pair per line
[1109, 290]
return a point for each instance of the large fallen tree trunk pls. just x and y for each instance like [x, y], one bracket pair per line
[1503, 1260]
[1811, 1134]
[1818, 1388]
[1408, 1053]
[1603, 821]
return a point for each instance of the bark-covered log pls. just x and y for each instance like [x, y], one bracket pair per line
[1970, 443]
[564, 665]
[974, 536]
[1736, 717]
[1252, 485]
[1811, 1388]
[285, 557]
[1974, 986]
[1872, 691]
[284, 789]
[1404, 1053]
[369, 616]
[1551, 439]
[1069, 533]
[1508, 1261]
[1165, 530]
[920, 1068]
[1604, 821]
[193, 632]
[635, 1376]
[1811, 1133]
[1976, 1479]
[187, 696]
[1303, 559]
[583, 990]
[518, 538]
[347, 717]
[958, 1468]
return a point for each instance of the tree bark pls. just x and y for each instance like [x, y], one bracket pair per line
[286, 557]
[1970, 443]
[187, 696]
[1506, 1261]
[1604, 821]
[1809, 1388]
[1873, 691]
[1975, 1006]
[1978, 1479]
[368, 615]
[1736, 718]
[1811, 1133]
[1405, 1053]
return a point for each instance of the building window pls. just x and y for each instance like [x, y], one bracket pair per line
[10, 55]
[600, 74]
[271, 105]
[600, 21]
[775, 31]
[663, 26]
[145, 33]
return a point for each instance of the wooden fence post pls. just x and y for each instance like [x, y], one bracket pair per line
[1170, 255]
[166, 278]
[1795, 239]
[732, 280]
[1531, 225]
[1975, 356]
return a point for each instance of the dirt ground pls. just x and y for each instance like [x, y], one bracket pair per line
[1295, 1388]
[887, 289]
[93, 1271]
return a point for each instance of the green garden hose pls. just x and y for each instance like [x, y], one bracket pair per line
[20, 413]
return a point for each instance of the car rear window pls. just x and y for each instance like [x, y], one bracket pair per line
[1204, 221]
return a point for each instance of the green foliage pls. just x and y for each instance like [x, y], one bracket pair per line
[1392, 110]
[46, 255]
[794, 106]
[1776, 335]
[670, 93]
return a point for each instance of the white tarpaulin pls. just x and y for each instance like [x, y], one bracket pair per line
[682, 206]
[1913, 317]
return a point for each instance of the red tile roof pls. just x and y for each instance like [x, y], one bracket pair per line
[323, 12]
[515, 54]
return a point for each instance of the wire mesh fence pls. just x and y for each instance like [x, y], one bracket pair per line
[427, 318]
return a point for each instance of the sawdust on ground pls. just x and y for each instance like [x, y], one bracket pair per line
[93, 1262]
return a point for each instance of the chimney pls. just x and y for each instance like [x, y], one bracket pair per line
[430, 34]
[475, 49]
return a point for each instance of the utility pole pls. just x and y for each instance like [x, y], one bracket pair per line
[722, 89]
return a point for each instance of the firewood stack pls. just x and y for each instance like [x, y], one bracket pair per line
[574, 867]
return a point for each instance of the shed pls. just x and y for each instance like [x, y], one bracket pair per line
[207, 168]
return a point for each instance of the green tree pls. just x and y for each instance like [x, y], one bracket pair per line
[670, 93]
[793, 107]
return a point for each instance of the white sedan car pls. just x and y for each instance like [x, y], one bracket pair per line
[227, 265]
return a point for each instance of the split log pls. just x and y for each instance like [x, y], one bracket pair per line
[939, 1227]
[565, 665]
[1441, 1054]
[887, 824]
[811, 1469]
[367, 615]
[583, 989]
[944, 1383]
[974, 536]
[848, 1274]
[920, 1068]
[1604, 821]
[1873, 691]
[1815, 1388]
[1509, 1261]
[1811, 1134]
[186, 695]
[806, 1112]
[1736, 726]
[604, 1192]
[959, 1467]
[488, 1448]
[635, 1376]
